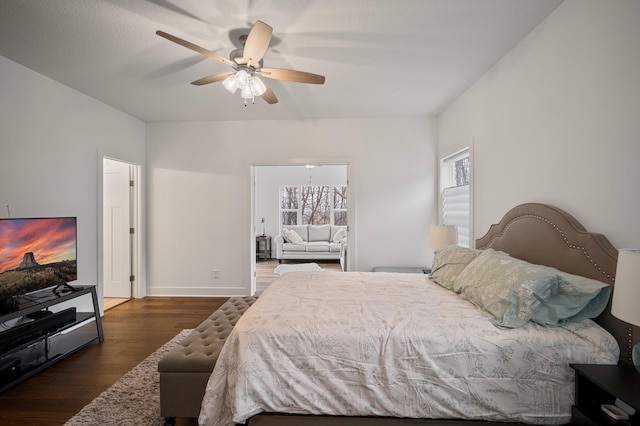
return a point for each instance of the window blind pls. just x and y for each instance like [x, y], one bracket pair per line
[455, 211]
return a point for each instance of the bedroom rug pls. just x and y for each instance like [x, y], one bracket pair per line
[296, 267]
[134, 400]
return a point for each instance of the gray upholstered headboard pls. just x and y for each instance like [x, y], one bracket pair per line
[545, 235]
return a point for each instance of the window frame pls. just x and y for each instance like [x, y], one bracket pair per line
[298, 210]
[447, 181]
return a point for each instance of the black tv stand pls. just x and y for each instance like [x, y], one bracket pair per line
[29, 348]
[63, 288]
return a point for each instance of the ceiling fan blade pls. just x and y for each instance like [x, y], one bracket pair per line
[292, 75]
[257, 43]
[212, 78]
[193, 47]
[269, 96]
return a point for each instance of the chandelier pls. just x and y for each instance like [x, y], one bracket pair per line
[250, 85]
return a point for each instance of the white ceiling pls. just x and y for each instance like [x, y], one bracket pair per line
[380, 57]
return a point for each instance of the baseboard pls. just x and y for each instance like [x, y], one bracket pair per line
[198, 291]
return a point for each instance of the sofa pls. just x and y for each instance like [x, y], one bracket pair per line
[310, 242]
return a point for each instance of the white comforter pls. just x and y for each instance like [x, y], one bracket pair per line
[383, 344]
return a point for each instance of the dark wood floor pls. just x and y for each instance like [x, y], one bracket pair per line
[133, 331]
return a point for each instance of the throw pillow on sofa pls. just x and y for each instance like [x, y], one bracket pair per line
[291, 236]
[339, 235]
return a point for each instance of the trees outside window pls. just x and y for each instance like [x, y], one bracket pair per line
[339, 205]
[313, 205]
[289, 202]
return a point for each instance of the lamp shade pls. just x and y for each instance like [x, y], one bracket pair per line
[442, 235]
[626, 291]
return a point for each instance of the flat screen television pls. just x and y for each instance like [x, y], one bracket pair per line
[36, 253]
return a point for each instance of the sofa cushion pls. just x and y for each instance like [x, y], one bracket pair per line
[319, 233]
[300, 230]
[334, 247]
[294, 247]
[318, 246]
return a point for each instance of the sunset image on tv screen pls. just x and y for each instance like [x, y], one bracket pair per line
[36, 253]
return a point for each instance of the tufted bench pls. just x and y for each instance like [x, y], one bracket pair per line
[185, 370]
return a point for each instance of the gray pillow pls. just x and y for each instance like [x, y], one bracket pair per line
[319, 233]
[448, 262]
[301, 230]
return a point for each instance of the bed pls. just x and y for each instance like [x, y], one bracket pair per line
[384, 348]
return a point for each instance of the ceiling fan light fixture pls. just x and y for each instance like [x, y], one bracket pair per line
[231, 83]
[250, 86]
[247, 61]
[257, 86]
[242, 77]
[246, 92]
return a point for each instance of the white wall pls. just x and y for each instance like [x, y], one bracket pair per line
[51, 142]
[557, 121]
[268, 180]
[199, 196]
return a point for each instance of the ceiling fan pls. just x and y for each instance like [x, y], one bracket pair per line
[247, 64]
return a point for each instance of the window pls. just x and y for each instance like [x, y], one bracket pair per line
[313, 205]
[340, 205]
[455, 180]
[289, 201]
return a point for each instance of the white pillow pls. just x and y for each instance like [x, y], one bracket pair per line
[339, 235]
[291, 236]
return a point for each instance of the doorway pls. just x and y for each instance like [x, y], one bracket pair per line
[120, 243]
[268, 180]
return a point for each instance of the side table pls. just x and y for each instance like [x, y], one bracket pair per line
[263, 247]
[603, 384]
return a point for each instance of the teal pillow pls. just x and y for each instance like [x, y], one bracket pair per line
[576, 298]
[448, 262]
[513, 291]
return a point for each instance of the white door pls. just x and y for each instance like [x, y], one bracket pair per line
[116, 228]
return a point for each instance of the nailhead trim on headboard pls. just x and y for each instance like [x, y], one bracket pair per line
[630, 345]
[597, 255]
[564, 238]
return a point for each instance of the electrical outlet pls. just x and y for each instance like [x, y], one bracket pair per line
[216, 274]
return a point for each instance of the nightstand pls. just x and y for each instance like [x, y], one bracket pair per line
[602, 384]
